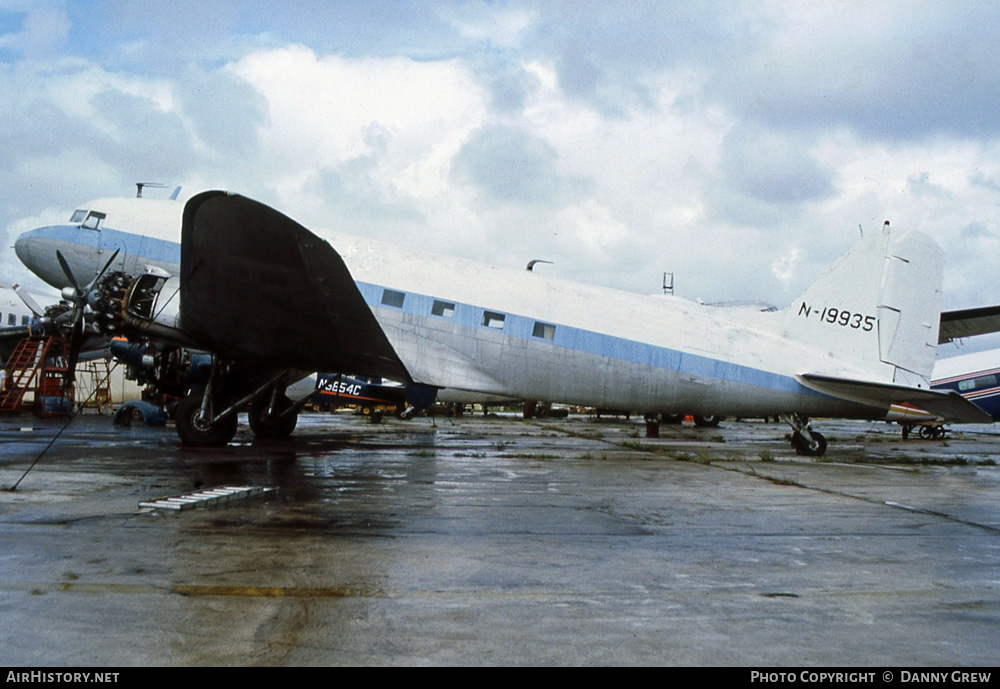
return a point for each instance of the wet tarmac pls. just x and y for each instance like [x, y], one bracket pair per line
[498, 541]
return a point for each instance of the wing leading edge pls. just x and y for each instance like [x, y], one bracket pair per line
[950, 405]
[261, 289]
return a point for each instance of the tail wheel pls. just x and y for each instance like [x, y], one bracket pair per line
[273, 426]
[805, 448]
[195, 429]
[931, 432]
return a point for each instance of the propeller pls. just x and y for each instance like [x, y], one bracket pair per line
[77, 296]
[28, 300]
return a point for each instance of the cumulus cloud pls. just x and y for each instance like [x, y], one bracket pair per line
[739, 145]
[509, 166]
[772, 168]
[43, 31]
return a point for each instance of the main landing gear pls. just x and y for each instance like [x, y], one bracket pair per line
[208, 417]
[806, 441]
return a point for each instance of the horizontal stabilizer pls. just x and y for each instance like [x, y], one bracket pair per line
[949, 405]
[969, 323]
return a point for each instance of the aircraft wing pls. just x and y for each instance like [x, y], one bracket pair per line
[261, 289]
[968, 322]
[949, 405]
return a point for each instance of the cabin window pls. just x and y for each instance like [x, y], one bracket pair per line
[25, 319]
[11, 319]
[444, 309]
[492, 319]
[393, 298]
[977, 383]
[546, 331]
[93, 221]
[78, 216]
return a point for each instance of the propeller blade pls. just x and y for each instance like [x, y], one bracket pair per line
[103, 270]
[28, 300]
[76, 342]
[69, 273]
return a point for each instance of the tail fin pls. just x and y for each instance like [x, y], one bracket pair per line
[877, 309]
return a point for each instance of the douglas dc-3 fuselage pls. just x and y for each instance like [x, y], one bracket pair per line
[271, 299]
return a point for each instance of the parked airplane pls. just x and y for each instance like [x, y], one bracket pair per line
[18, 309]
[271, 300]
[975, 376]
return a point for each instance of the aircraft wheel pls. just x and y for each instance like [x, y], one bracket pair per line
[129, 416]
[708, 421]
[930, 432]
[802, 447]
[271, 429]
[194, 430]
[673, 418]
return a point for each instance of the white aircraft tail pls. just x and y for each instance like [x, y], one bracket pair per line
[877, 309]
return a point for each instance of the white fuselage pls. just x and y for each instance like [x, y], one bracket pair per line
[13, 311]
[462, 325]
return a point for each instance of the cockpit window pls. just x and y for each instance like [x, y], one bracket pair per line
[93, 221]
[78, 216]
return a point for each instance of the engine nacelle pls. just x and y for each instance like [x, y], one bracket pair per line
[147, 306]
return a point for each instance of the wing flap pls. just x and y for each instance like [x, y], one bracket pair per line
[949, 405]
[261, 289]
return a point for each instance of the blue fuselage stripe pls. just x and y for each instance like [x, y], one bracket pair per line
[590, 342]
[469, 316]
[148, 248]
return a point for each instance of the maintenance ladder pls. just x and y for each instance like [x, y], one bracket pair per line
[38, 366]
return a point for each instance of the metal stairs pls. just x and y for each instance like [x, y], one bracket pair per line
[37, 369]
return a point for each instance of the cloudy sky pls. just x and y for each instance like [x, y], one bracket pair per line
[739, 145]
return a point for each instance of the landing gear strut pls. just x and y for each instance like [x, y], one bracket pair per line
[806, 441]
[271, 414]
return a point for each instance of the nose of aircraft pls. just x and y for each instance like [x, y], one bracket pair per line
[37, 251]
[22, 247]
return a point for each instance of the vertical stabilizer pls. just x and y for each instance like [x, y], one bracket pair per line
[876, 310]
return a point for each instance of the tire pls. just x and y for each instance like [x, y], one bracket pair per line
[129, 416]
[804, 449]
[930, 432]
[196, 433]
[271, 429]
[708, 421]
